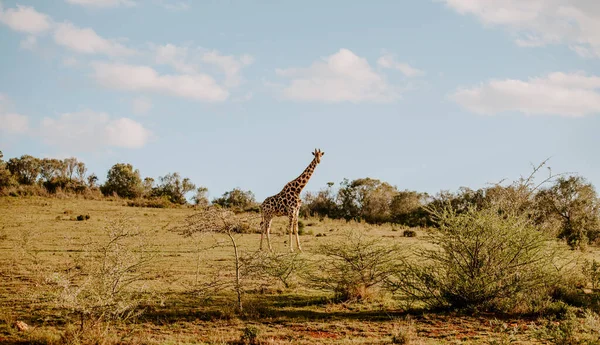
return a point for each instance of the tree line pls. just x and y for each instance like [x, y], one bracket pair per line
[566, 206]
[27, 175]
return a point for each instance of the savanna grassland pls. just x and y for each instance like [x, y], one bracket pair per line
[165, 288]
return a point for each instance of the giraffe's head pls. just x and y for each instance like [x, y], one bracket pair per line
[318, 154]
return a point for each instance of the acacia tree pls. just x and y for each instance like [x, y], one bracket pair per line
[201, 198]
[147, 186]
[174, 188]
[71, 167]
[367, 199]
[407, 208]
[92, 180]
[123, 180]
[26, 169]
[574, 203]
[81, 171]
[478, 258]
[219, 220]
[51, 174]
[236, 199]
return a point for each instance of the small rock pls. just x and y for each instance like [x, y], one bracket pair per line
[587, 291]
[22, 326]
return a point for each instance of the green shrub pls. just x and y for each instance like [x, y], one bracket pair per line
[479, 257]
[591, 271]
[353, 266]
[250, 335]
[574, 327]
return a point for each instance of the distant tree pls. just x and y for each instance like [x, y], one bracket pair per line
[6, 178]
[51, 175]
[321, 204]
[574, 203]
[201, 198]
[348, 201]
[236, 199]
[147, 186]
[49, 169]
[92, 179]
[81, 171]
[62, 169]
[174, 188]
[123, 180]
[71, 167]
[367, 199]
[376, 202]
[25, 169]
[407, 208]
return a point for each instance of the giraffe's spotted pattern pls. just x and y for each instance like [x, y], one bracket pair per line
[287, 203]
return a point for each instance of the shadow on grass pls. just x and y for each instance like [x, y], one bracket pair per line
[257, 307]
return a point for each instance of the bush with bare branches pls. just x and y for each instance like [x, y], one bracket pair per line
[104, 282]
[353, 266]
[218, 220]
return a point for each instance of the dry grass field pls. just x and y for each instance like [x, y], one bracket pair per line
[41, 240]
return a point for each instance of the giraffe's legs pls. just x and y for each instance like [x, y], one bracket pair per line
[291, 226]
[265, 226]
[295, 222]
[269, 234]
[262, 232]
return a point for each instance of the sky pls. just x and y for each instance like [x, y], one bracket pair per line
[425, 95]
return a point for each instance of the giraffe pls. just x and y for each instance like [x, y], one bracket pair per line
[287, 203]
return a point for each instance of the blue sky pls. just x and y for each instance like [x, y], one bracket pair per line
[426, 95]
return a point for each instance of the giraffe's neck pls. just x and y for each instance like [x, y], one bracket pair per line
[299, 182]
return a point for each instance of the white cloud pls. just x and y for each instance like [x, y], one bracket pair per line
[175, 56]
[143, 78]
[25, 19]
[190, 61]
[89, 130]
[86, 41]
[244, 98]
[102, 3]
[29, 43]
[70, 61]
[125, 132]
[566, 94]
[13, 123]
[541, 22]
[341, 77]
[389, 61]
[228, 64]
[141, 105]
[174, 5]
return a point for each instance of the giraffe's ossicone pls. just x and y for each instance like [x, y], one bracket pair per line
[287, 203]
